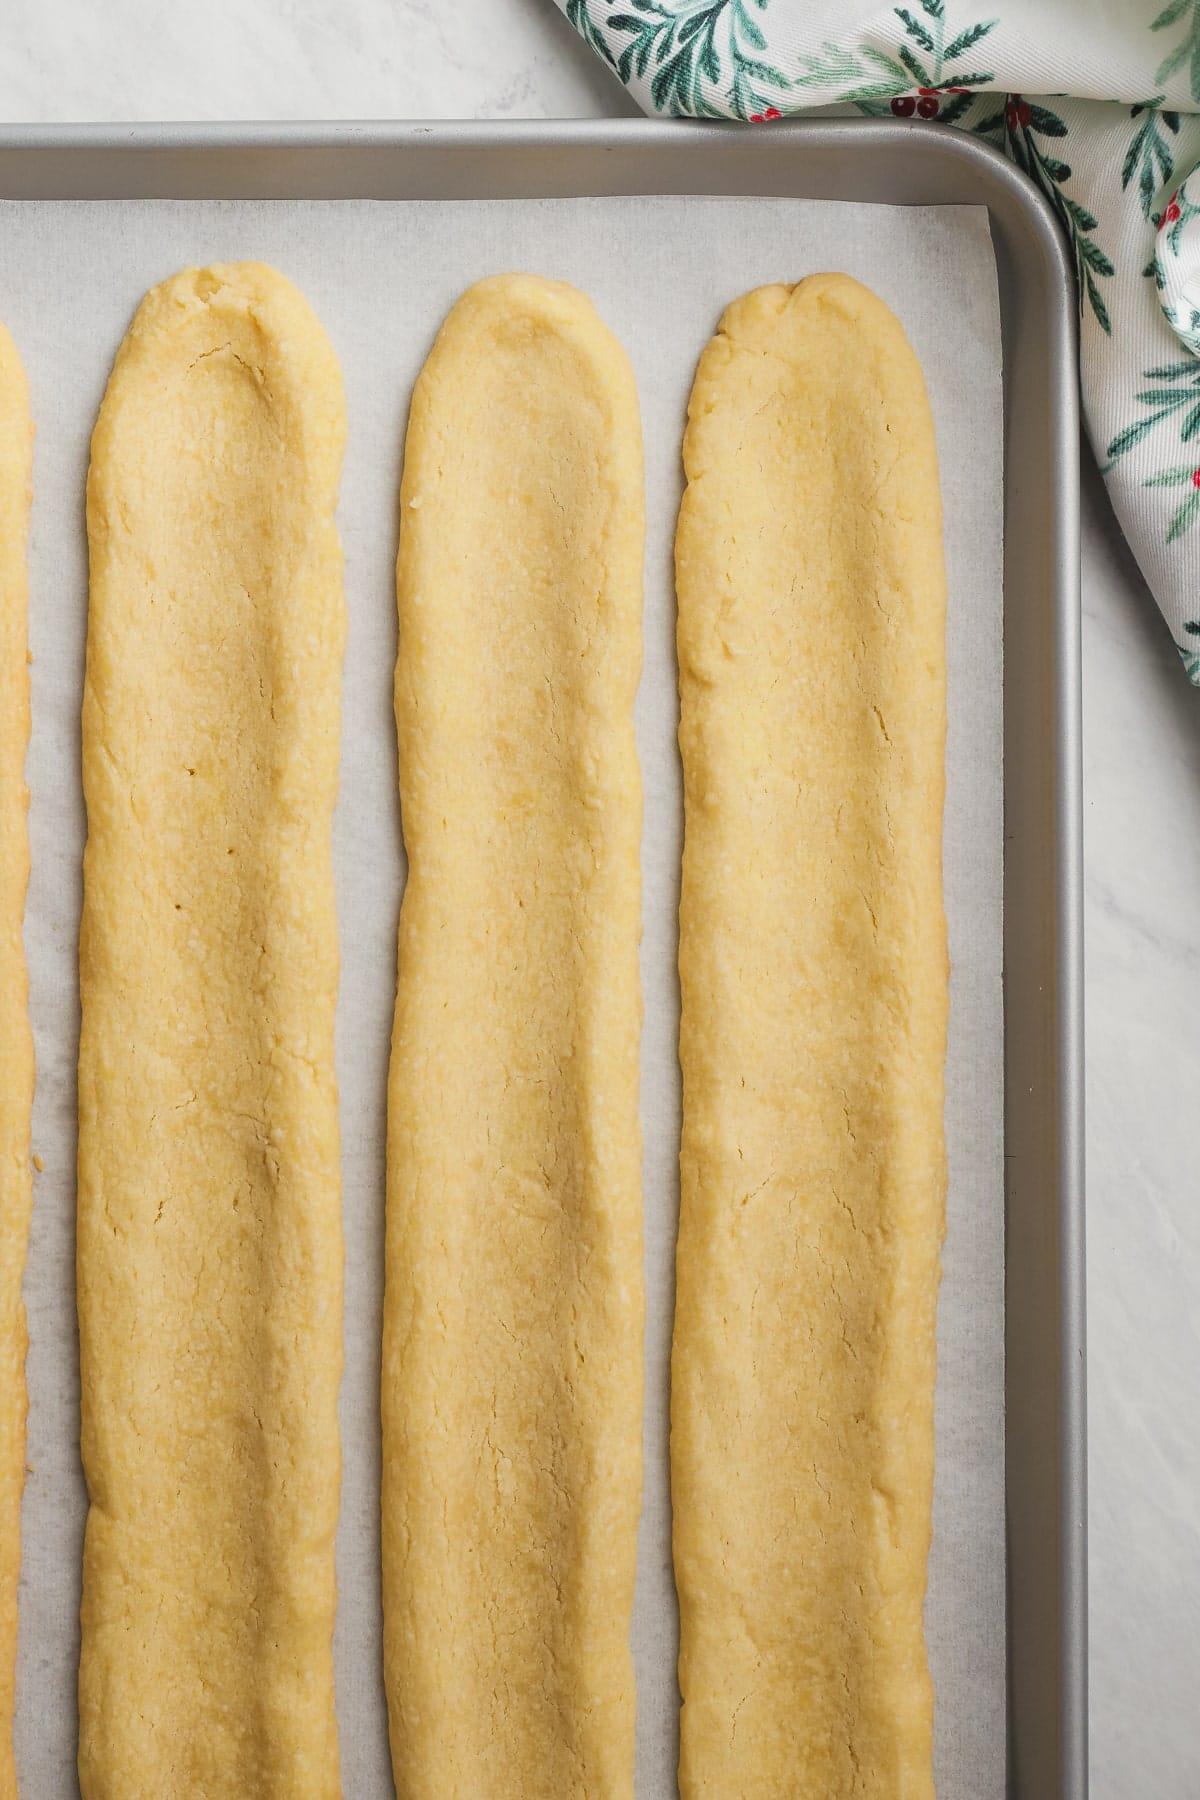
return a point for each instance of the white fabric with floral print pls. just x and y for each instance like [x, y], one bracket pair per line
[1115, 160]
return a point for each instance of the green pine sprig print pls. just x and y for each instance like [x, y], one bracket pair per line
[1171, 224]
[697, 52]
[579, 15]
[1151, 156]
[1187, 513]
[1172, 396]
[878, 82]
[1187, 50]
[1177, 215]
[1191, 652]
[857, 77]
[1026, 124]
[1173, 393]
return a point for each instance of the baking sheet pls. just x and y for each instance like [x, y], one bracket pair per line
[381, 276]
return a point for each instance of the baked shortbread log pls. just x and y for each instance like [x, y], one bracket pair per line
[16, 1040]
[209, 1233]
[512, 1359]
[814, 993]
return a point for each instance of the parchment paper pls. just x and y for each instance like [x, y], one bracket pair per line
[381, 276]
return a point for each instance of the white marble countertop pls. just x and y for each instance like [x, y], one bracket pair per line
[275, 59]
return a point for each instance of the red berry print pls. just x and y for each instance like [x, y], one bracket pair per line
[764, 118]
[1196, 478]
[927, 108]
[1172, 212]
[904, 107]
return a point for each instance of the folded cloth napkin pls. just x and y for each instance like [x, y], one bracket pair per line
[1117, 161]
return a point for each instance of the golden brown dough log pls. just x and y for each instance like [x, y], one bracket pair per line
[209, 1231]
[513, 1313]
[16, 1040]
[814, 991]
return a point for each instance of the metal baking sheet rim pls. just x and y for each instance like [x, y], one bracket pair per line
[864, 160]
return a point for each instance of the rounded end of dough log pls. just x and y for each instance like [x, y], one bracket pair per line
[515, 311]
[251, 313]
[825, 327]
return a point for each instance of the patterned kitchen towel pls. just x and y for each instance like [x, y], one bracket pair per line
[1117, 161]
